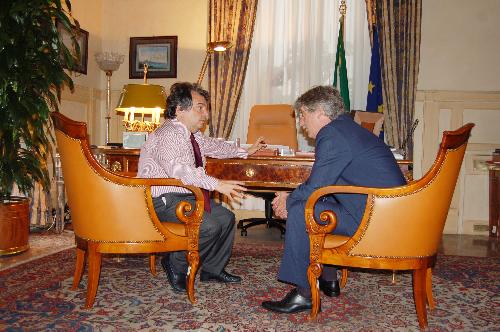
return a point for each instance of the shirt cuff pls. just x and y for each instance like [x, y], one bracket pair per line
[242, 153]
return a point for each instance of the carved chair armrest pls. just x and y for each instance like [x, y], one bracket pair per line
[183, 207]
[328, 218]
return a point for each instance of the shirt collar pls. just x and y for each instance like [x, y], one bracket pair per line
[181, 127]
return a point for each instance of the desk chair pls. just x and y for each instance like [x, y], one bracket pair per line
[370, 120]
[277, 124]
[114, 214]
[400, 229]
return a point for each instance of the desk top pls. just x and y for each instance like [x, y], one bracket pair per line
[257, 172]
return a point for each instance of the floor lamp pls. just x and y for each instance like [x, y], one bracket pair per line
[108, 62]
[218, 46]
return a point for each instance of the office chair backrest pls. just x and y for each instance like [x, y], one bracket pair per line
[275, 122]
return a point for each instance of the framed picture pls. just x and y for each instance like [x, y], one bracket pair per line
[82, 38]
[160, 53]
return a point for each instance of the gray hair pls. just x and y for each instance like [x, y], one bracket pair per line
[323, 97]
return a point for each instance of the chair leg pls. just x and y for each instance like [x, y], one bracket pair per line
[268, 220]
[419, 296]
[152, 264]
[94, 258]
[343, 280]
[79, 265]
[193, 259]
[428, 289]
[313, 273]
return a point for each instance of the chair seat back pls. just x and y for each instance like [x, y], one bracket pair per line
[274, 122]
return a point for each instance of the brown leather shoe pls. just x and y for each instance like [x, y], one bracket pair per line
[292, 302]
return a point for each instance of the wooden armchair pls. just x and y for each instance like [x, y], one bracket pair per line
[400, 230]
[115, 214]
[371, 121]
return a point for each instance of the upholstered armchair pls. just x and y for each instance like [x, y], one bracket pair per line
[277, 124]
[400, 230]
[371, 121]
[114, 214]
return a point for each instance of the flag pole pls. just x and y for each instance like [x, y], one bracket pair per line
[343, 10]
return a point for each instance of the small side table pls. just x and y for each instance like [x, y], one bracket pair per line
[494, 170]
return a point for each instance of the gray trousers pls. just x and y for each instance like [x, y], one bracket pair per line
[216, 233]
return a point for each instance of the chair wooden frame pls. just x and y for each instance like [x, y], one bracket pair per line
[379, 243]
[107, 227]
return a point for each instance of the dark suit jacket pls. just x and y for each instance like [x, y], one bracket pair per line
[347, 154]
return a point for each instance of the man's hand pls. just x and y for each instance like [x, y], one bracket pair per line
[279, 204]
[259, 144]
[234, 190]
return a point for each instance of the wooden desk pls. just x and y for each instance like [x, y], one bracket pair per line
[276, 173]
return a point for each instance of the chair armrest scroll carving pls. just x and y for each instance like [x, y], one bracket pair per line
[183, 207]
[328, 217]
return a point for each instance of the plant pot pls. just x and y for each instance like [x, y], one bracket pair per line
[14, 225]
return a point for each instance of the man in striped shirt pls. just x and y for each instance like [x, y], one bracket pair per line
[177, 149]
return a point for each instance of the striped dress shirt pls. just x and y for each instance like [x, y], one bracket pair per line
[168, 153]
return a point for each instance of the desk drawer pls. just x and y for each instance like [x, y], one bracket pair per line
[276, 175]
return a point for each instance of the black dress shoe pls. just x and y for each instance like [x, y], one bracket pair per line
[329, 288]
[292, 302]
[223, 277]
[176, 280]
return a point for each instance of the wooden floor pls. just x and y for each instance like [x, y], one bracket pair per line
[460, 245]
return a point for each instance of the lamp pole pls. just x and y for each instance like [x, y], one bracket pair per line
[108, 102]
[108, 62]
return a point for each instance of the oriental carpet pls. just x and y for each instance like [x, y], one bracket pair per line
[37, 296]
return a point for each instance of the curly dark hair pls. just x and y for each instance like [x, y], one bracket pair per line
[180, 95]
[325, 97]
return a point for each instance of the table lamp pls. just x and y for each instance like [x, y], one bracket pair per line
[137, 101]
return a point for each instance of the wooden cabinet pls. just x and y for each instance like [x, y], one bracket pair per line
[494, 167]
[118, 160]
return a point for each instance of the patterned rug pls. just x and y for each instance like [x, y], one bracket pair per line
[37, 297]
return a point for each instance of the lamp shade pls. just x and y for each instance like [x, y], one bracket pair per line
[144, 98]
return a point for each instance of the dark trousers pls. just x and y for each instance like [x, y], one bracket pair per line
[295, 260]
[216, 233]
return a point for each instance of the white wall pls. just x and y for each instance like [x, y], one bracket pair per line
[459, 82]
[110, 24]
[460, 45]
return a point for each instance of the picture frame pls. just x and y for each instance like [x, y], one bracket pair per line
[82, 38]
[160, 53]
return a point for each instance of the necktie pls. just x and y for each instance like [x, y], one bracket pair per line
[198, 162]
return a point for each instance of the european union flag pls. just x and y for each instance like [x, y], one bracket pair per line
[374, 100]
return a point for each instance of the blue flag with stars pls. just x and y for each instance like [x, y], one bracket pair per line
[374, 100]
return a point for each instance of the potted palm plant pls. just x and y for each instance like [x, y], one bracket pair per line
[31, 79]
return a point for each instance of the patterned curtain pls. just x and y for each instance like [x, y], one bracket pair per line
[398, 23]
[231, 20]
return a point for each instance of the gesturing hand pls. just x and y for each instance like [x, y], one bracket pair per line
[259, 144]
[234, 190]
[279, 204]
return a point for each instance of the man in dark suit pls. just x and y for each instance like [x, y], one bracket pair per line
[346, 154]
